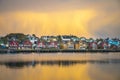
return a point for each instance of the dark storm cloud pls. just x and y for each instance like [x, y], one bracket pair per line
[31, 5]
[51, 5]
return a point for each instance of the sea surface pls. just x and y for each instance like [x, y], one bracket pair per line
[60, 66]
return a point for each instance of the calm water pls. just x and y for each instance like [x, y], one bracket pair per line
[60, 66]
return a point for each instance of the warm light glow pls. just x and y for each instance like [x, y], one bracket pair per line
[49, 23]
[99, 18]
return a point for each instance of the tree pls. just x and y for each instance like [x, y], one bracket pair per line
[18, 36]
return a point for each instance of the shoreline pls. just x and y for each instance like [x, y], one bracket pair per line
[4, 51]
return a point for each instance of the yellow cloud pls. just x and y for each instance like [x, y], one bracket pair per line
[48, 23]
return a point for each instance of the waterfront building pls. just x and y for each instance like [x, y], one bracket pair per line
[90, 40]
[2, 45]
[93, 45]
[1, 42]
[27, 44]
[40, 45]
[52, 44]
[45, 38]
[21, 45]
[63, 46]
[48, 38]
[82, 45]
[76, 45]
[70, 45]
[13, 44]
[105, 45]
[32, 38]
[66, 38]
[113, 43]
[74, 38]
[82, 39]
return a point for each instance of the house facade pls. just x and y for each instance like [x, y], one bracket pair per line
[93, 45]
[13, 45]
[27, 44]
[52, 44]
[40, 45]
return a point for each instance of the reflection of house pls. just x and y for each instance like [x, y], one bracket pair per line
[27, 44]
[13, 44]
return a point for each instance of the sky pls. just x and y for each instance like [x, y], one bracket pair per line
[88, 18]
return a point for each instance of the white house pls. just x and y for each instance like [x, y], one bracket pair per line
[94, 45]
[48, 38]
[32, 38]
[66, 38]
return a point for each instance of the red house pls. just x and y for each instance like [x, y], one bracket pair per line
[13, 45]
[40, 44]
[93, 45]
[52, 44]
[105, 45]
[27, 44]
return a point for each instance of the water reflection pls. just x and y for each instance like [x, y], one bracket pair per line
[59, 63]
[60, 67]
